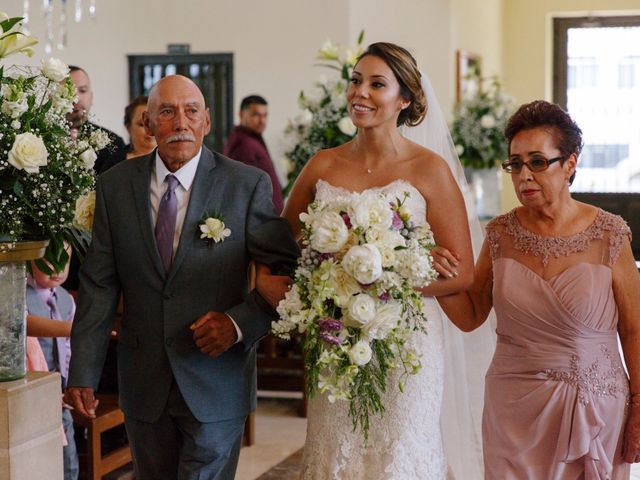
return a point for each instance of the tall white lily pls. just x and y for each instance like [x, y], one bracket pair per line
[12, 38]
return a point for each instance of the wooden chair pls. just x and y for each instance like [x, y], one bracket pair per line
[108, 416]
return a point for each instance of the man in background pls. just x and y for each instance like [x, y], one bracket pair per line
[246, 144]
[79, 118]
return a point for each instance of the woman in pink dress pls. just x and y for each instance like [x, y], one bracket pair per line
[563, 281]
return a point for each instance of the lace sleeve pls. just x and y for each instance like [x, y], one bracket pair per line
[619, 232]
[494, 231]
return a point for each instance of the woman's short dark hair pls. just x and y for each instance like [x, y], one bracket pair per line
[129, 109]
[568, 136]
[405, 69]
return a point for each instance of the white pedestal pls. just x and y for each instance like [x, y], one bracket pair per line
[30, 428]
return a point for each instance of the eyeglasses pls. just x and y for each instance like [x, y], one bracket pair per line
[536, 164]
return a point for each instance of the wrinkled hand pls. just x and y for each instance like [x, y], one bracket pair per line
[273, 287]
[82, 400]
[631, 439]
[214, 333]
[445, 262]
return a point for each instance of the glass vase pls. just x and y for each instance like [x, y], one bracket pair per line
[13, 282]
[486, 187]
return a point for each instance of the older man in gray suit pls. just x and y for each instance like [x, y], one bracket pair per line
[186, 352]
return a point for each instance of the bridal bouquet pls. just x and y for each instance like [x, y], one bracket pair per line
[44, 173]
[354, 298]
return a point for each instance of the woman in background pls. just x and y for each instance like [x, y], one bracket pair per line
[140, 143]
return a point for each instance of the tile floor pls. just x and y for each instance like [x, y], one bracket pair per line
[279, 433]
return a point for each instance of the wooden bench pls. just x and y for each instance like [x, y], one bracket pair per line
[108, 416]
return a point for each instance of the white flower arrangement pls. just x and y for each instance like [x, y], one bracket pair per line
[213, 229]
[43, 171]
[479, 122]
[323, 121]
[355, 298]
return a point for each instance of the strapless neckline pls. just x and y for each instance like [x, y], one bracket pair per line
[392, 183]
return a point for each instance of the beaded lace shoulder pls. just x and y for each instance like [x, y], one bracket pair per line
[544, 247]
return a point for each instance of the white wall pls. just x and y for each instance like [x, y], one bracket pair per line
[274, 42]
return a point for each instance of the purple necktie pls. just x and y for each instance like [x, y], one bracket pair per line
[61, 342]
[166, 223]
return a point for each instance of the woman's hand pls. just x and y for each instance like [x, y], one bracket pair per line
[271, 287]
[445, 262]
[631, 439]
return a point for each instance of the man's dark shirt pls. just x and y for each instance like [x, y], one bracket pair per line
[248, 147]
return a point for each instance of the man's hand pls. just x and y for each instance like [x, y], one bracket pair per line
[214, 333]
[82, 400]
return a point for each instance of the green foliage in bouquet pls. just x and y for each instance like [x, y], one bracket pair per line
[324, 121]
[479, 122]
[44, 173]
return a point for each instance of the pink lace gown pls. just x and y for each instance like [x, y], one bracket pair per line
[556, 392]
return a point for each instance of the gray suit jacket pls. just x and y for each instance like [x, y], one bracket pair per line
[155, 342]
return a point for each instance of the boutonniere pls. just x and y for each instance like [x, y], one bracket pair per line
[213, 228]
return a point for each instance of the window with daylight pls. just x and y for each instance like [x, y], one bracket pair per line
[597, 79]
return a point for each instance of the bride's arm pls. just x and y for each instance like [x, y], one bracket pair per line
[469, 309]
[447, 216]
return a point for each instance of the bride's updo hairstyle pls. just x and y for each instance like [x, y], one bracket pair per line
[405, 69]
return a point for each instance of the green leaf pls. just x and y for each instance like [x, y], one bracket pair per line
[9, 24]
[360, 37]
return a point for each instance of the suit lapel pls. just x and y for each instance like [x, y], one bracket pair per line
[204, 187]
[140, 184]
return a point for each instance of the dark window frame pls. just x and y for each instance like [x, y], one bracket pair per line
[220, 102]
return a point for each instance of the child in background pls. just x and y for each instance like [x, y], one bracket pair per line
[55, 307]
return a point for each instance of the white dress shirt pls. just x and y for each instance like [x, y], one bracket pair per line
[185, 176]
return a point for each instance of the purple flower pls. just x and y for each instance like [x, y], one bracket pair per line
[384, 296]
[328, 324]
[325, 256]
[347, 220]
[397, 222]
[331, 339]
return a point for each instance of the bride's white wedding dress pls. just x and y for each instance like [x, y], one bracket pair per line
[405, 443]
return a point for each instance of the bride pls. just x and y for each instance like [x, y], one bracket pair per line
[415, 438]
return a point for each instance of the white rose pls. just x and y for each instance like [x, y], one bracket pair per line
[214, 229]
[88, 158]
[328, 232]
[54, 69]
[28, 153]
[385, 320]
[362, 308]
[16, 124]
[360, 353]
[459, 149]
[346, 126]
[85, 208]
[305, 118]
[370, 209]
[364, 263]
[488, 121]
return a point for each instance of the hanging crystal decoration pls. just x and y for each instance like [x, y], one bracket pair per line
[78, 11]
[47, 9]
[62, 32]
[92, 9]
[25, 11]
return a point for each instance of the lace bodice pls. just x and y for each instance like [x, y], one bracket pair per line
[415, 202]
[599, 244]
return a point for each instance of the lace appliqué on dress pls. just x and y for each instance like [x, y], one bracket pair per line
[593, 379]
[545, 247]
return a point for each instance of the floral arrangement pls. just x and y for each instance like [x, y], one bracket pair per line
[324, 121]
[45, 175]
[479, 122]
[354, 298]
